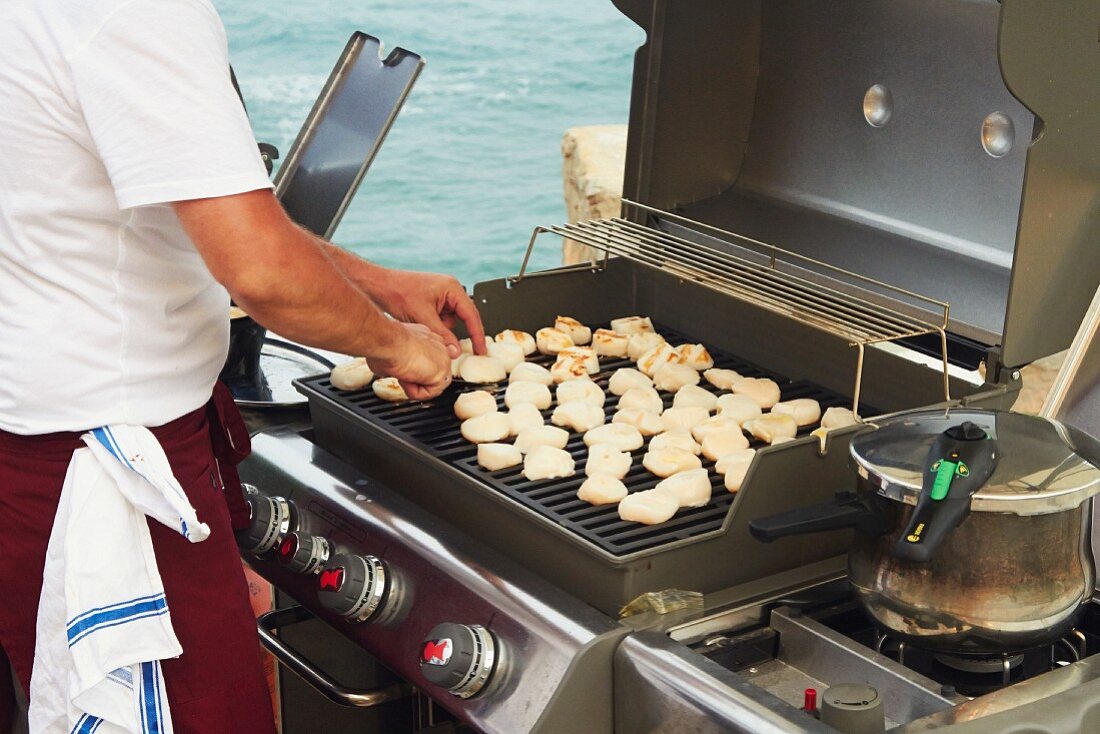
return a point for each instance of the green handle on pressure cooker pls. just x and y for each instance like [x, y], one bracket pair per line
[941, 485]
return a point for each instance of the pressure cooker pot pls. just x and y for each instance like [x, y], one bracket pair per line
[972, 528]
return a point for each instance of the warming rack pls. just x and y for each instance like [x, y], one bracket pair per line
[767, 283]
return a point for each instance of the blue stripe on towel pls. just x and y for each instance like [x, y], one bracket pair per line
[150, 607]
[87, 724]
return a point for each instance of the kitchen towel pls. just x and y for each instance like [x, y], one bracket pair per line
[103, 622]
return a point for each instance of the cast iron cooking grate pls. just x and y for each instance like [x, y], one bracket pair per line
[433, 429]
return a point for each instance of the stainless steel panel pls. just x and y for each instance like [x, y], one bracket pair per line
[1063, 701]
[831, 658]
[662, 687]
[556, 652]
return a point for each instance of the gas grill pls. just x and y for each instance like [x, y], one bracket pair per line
[847, 199]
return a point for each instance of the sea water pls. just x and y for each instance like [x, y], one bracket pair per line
[473, 162]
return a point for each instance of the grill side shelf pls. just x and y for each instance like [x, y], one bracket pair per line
[431, 431]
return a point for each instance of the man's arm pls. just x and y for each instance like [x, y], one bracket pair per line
[284, 278]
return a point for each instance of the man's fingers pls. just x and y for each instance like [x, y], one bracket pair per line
[416, 391]
[434, 325]
[465, 309]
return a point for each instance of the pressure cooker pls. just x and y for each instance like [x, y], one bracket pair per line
[971, 528]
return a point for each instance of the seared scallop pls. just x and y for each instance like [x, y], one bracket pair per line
[482, 370]
[531, 372]
[772, 427]
[570, 368]
[714, 423]
[672, 377]
[497, 456]
[642, 398]
[738, 408]
[578, 416]
[695, 356]
[532, 438]
[353, 375]
[547, 462]
[507, 354]
[620, 435]
[649, 508]
[601, 489]
[472, 404]
[632, 325]
[838, 418]
[684, 418]
[578, 332]
[388, 388]
[693, 396]
[525, 341]
[735, 467]
[805, 411]
[627, 378]
[733, 458]
[764, 391]
[721, 443]
[689, 488]
[588, 354]
[722, 379]
[552, 341]
[605, 458]
[647, 423]
[584, 391]
[523, 417]
[658, 357]
[485, 428]
[608, 343]
[527, 392]
[668, 461]
[639, 344]
[678, 438]
[456, 365]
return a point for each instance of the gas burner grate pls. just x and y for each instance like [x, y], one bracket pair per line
[433, 430]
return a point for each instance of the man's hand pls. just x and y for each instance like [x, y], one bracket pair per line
[418, 360]
[437, 301]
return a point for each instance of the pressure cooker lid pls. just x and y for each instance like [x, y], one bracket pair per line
[1041, 466]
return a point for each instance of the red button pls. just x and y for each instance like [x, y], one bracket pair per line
[437, 652]
[332, 579]
[288, 547]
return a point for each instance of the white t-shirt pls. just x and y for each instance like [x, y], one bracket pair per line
[108, 110]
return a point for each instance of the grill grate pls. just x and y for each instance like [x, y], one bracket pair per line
[433, 429]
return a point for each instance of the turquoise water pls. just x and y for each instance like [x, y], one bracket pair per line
[473, 162]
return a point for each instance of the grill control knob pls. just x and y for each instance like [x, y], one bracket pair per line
[270, 520]
[459, 657]
[353, 586]
[303, 553]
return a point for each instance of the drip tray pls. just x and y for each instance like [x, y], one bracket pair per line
[796, 652]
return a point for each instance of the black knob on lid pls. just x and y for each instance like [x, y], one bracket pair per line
[966, 431]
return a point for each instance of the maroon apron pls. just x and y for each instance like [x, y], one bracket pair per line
[217, 685]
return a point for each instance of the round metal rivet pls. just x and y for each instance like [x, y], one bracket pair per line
[878, 105]
[998, 134]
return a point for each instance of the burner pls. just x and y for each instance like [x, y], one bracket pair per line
[976, 675]
[983, 665]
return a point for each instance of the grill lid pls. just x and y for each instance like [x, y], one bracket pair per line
[893, 138]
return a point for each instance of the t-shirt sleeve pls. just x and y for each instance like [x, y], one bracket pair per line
[154, 88]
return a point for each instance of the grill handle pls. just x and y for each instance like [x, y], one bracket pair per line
[267, 624]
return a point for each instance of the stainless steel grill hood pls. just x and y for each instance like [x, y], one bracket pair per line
[944, 146]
